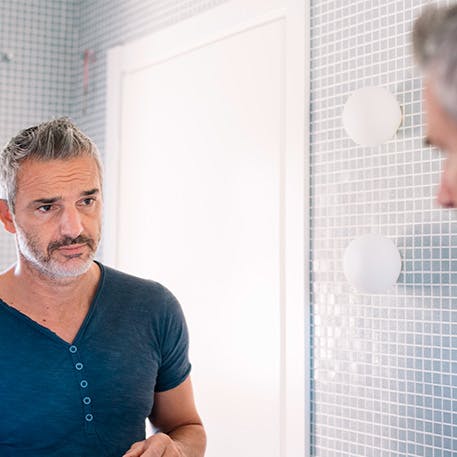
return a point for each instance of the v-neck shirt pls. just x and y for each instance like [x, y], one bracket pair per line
[90, 398]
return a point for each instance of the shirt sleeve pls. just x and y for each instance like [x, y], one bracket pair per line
[174, 366]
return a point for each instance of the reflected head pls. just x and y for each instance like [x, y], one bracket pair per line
[58, 139]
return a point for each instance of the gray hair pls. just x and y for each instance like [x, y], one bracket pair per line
[435, 50]
[52, 140]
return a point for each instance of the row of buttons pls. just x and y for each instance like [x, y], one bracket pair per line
[83, 383]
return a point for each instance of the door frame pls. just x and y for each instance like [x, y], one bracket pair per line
[229, 18]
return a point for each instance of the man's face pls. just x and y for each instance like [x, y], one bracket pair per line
[57, 216]
[442, 133]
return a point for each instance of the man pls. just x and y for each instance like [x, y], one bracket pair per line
[435, 49]
[87, 353]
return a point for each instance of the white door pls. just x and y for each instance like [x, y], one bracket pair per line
[201, 183]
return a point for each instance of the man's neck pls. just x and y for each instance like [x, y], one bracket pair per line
[35, 293]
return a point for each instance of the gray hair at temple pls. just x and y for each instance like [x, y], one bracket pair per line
[58, 139]
[435, 50]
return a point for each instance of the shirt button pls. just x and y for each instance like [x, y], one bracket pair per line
[89, 417]
[87, 400]
[72, 349]
[83, 383]
[79, 366]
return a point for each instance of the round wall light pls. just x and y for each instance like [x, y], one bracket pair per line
[372, 264]
[371, 116]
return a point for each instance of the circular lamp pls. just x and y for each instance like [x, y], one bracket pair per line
[371, 116]
[372, 264]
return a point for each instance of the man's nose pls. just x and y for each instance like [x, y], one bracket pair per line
[444, 196]
[70, 223]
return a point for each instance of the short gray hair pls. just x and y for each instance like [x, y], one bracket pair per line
[52, 140]
[435, 50]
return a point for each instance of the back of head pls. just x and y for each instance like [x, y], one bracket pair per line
[435, 49]
[58, 139]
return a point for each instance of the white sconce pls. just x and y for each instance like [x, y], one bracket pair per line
[371, 116]
[372, 264]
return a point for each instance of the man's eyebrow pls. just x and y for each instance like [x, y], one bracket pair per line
[46, 201]
[50, 201]
[87, 193]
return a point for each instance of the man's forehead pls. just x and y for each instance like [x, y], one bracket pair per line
[76, 174]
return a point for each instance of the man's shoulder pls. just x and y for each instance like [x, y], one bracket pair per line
[134, 289]
[118, 276]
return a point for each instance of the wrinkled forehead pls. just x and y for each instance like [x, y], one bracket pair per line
[59, 177]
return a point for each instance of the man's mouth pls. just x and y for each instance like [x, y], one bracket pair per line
[72, 247]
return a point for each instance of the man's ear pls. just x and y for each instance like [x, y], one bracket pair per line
[6, 217]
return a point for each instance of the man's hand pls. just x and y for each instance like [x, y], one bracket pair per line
[158, 445]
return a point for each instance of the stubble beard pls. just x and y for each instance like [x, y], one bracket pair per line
[45, 264]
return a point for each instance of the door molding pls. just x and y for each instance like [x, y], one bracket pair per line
[222, 21]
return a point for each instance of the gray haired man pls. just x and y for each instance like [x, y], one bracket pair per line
[87, 353]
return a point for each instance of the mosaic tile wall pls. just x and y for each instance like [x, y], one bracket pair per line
[384, 379]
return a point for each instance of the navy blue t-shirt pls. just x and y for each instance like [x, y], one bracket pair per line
[90, 398]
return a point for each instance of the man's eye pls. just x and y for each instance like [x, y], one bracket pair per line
[45, 208]
[88, 201]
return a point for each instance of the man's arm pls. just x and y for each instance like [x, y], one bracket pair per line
[180, 430]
